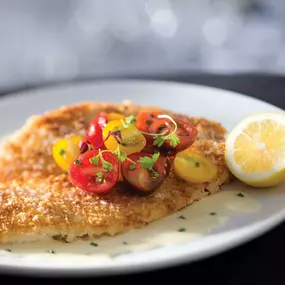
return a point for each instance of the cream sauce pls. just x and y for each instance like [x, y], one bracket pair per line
[189, 224]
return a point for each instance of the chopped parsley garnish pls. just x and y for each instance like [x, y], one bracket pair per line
[182, 230]
[51, 251]
[125, 242]
[152, 116]
[7, 249]
[65, 172]
[121, 155]
[182, 217]
[93, 244]
[148, 162]
[62, 152]
[213, 214]
[240, 195]
[78, 162]
[148, 122]
[197, 164]
[132, 166]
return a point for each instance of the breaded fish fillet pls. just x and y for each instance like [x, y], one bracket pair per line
[38, 200]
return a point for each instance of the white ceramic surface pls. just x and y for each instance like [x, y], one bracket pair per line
[235, 220]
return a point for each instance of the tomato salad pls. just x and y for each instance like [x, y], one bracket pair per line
[138, 150]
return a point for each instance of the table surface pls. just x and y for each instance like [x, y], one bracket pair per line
[256, 262]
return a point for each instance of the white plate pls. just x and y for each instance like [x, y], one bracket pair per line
[160, 244]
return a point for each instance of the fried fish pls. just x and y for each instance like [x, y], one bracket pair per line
[38, 200]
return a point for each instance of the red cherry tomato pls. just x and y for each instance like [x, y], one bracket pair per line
[92, 178]
[143, 180]
[185, 132]
[145, 120]
[95, 128]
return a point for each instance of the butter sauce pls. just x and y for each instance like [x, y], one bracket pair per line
[186, 225]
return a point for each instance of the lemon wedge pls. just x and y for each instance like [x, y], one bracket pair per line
[255, 150]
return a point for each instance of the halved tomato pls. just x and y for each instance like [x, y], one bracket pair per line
[95, 128]
[66, 150]
[129, 140]
[145, 180]
[95, 173]
[185, 132]
[194, 167]
[145, 119]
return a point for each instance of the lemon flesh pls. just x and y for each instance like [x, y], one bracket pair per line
[255, 150]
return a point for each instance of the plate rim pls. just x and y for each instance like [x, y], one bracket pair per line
[11, 96]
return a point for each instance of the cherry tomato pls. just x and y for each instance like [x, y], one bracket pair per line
[114, 116]
[193, 167]
[66, 150]
[185, 132]
[94, 131]
[95, 128]
[95, 178]
[129, 140]
[145, 119]
[143, 180]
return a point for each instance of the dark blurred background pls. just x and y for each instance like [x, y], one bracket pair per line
[47, 41]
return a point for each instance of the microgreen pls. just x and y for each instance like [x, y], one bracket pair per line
[154, 174]
[148, 162]
[121, 155]
[100, 177]
[131, 119]
[128, 121]
[125, 125]
[107, 166]
[159, 139]
[94, 160]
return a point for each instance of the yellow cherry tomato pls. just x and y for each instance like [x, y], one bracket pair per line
[65, 151]
[131, 141]
[193, 167]
[114, 116]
